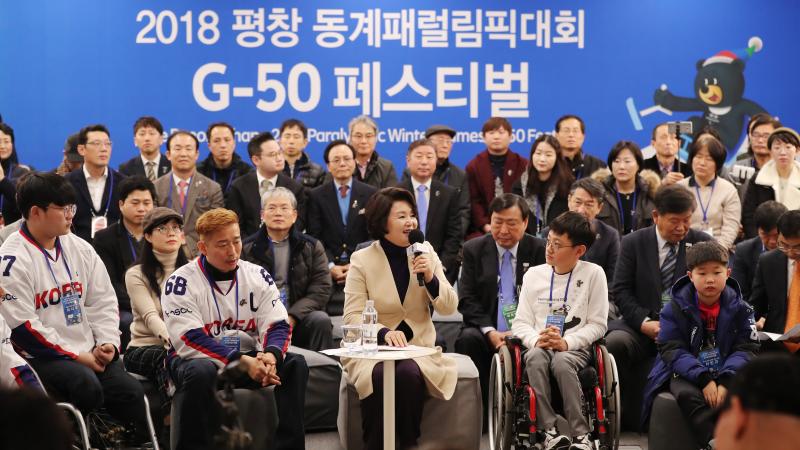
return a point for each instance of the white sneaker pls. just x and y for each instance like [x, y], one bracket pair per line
[581, 443]
[555, 441]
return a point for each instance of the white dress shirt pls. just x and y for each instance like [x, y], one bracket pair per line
[500, 252]
[96, 187]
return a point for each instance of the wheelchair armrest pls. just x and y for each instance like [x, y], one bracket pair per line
[513, 341]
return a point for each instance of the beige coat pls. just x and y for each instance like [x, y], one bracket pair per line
[724, 210]
[370, 277]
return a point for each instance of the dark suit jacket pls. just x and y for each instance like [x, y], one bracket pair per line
[443, 227]
[769, 294]
[651, 163]
[244, 200]
[755, 195]
[744, 264]
[584, 164]
[82, 222]
[325, 219]
[637, 278]
[134, 166]
[478, 285]
[114, 248]
[481, 183]
[227, 176]
[455, 177]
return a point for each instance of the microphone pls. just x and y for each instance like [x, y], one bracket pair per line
[416, 238]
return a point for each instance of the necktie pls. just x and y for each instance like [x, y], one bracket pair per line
[507, 290]
[343, 191]
[263, 188]
[182, 185]
[668, 269]
[422, 207]
[793, 307]
[150, 171]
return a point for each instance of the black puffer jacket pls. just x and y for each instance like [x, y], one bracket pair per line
[380, 172]
[306, 172]
[309, 279]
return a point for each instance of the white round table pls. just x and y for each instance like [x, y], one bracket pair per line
[389, 357]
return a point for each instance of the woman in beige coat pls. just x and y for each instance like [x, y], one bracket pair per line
[386, 272]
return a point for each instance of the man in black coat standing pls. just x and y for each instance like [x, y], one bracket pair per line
[223, 165]
[148, 135]
[506, 247]
[747, 252]
[650, 261]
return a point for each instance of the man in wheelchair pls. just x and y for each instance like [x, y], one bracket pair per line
[562, 310]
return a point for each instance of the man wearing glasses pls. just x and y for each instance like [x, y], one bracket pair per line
[97, 184]
[776, 288]
[245, 195]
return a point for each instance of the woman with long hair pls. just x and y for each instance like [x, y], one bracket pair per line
[10, 172]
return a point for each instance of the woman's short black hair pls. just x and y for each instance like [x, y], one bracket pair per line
[379, 206]
[715, 150]
[785, 135]
[626, 145]
[42, 189]
[575, 226]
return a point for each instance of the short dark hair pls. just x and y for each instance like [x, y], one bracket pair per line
[768, 213]
[674, 199]
[136, 183]
[495, 123]
[655, 129]
[631, 146]
[147, 122]
[707, 251]
[769, 383]
[83, 135]
[567, 117]
[576, 226]
[7, 130]
[288, 123]
[419, 143]
[707, 129]
[789, 224]
[379, 206]
[42, 189]
[715, 150]
[336, 143]
[785, 136]
[218, 124]
[254, 146]
[756, 121]
[185, 133]
[591, 186]
[504, 201]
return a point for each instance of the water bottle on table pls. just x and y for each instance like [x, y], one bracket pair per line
[369, 328]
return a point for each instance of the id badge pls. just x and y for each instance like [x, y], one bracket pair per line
[98, 223]
[70, 303]
[230, 339]
[556, 320]
[284, 295]
[710, 359]
[666, 297]
[509, 312]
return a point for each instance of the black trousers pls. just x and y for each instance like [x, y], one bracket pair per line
[695, 409]
[631, 350]
[409, 399]
[120, 394]
[200, 415]
[473, 343]
[314, 332]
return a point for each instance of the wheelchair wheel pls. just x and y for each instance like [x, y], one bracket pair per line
[613, 408]
[500, 400]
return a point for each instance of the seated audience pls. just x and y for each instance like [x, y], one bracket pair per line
[299, 167]
[298, 265]
[545, 183]
[759, 128]
[384, 274]
[559, 329]
[696, 363]
[666, 162]
[23, 413]
[72, 160]
[571, 132]
[747, 252]
[10, 173]
[148, 135]
[14, 371]
[223, 165]
[371, 168]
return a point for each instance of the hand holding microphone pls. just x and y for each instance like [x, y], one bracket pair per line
[422, 265]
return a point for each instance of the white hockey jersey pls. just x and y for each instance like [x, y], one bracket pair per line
[14, 371]
[201, 313]
[38, 279]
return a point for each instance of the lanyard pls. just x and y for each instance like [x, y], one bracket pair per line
[110, 194]
[214, 287]
[633, 209]
[566, 291]
[47, 257]
[230, 178]
[704, 208]
[185, 196]
[133, 247]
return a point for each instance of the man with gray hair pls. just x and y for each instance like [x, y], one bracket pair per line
[370, 167]
[298, 265]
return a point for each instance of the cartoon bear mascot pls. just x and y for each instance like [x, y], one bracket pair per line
[719, 90]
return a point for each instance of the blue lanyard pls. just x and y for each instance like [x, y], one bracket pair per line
[47, 257]
[110, 194]
[185, 197]
[130, 244]
[215, 287]
[539, 215]
[705, 207]
[633, 209]
[566, 291]
[230, 178]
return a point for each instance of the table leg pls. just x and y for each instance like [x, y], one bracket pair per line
[388, 405]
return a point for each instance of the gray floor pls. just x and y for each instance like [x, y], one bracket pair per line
[330, 441]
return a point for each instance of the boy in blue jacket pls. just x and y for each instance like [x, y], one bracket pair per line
[707, 334]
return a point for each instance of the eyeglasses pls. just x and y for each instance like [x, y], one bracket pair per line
[69, 210]
[786, 248]
[273, 155]
[280, 209]
[556, 245]
[360, 137]
[337, 161]
[106, 144]
[167, 229]
[759, 136]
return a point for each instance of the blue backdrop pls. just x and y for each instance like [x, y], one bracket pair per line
[408, 63]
